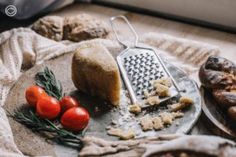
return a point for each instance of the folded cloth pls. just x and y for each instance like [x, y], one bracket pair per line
[22, 48]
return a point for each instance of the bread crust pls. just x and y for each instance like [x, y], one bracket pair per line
[219, 75]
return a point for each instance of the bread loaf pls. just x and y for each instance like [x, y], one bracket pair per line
[94, 71]
[84, 27]
[75, 28]
[219, 75]
[50, 27]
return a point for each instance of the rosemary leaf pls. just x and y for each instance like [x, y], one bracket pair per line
[47, 80]
[55, 133]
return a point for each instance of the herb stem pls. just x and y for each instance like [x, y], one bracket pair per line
[55, 133]
[47, 80]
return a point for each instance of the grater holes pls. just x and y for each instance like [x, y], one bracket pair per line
[145, 85]
[139, 86]
[136, 56]
[149, 64]
[152, 77]
[139, 82]
[153, 71]
[132, 62]
[142, 64]
[148, 68]
[142, 69]
[130, 73]
[134, 82]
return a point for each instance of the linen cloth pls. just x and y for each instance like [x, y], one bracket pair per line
[22, 48]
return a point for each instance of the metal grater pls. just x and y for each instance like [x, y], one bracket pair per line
[139, 66]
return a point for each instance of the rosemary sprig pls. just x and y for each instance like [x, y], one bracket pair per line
[45, 126]
[47, 80]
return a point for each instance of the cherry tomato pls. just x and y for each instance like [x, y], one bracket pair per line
[48, 107]
[75, 119]
[68, 102]
[33, 94]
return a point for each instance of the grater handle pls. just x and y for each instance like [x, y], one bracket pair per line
[130, 27]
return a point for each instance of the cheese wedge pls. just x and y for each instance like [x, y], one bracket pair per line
[95, 72]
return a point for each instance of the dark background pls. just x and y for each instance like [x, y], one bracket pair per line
[7, 23]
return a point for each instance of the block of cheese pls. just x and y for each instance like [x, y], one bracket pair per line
[95, 72]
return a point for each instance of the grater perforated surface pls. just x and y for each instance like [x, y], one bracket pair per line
[142, 67]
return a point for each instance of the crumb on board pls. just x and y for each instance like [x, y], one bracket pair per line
[108, 127]
[177, 107]
[177, 124]
[146, 123]
[122, 134]
[114, 122]
[177, 114]
[153, 100]
[183, 103]
[135, 108]
[157, 123]
[186, 100]
[164, 81]
[162, 90]
[167, 118]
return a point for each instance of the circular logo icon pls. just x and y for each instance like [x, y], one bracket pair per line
[10, 10]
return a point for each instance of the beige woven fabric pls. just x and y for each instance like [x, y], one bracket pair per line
[21, 48]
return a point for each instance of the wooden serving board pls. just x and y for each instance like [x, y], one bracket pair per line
[32, 143]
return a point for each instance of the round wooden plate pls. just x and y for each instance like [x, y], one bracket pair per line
[32, 143]
[217, 119]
